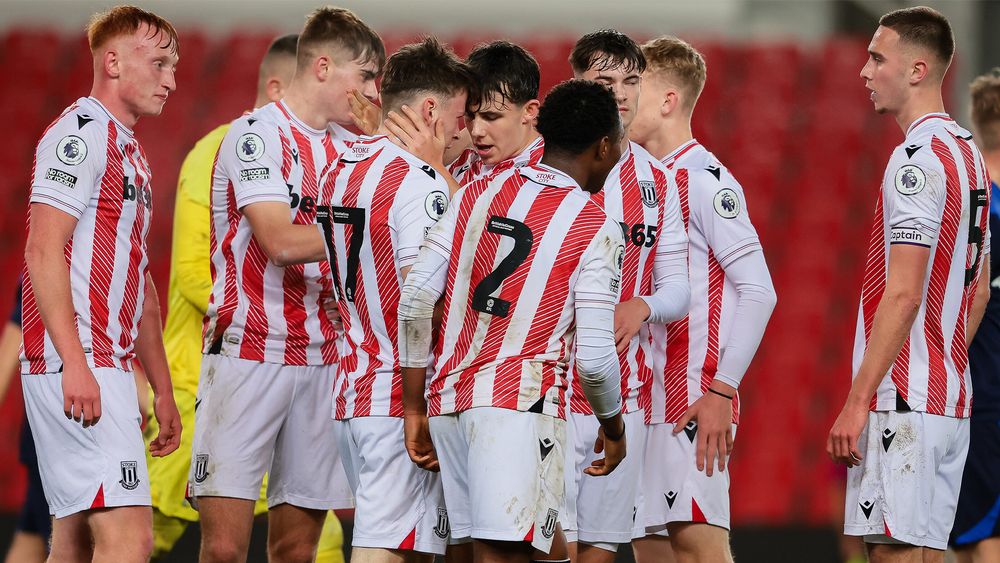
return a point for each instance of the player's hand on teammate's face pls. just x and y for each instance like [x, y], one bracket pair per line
[713, 415]
[842, 444]
[629, 318]
[417, 437]
[81, 395]
[424, 141]
[614, 453]
[366, 115]
[169, 437]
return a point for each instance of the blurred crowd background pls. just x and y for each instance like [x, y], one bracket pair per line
[784, 108]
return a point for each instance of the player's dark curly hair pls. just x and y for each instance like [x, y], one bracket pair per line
[607, 49]
[576, 114]
[506, 69]
[427, 66]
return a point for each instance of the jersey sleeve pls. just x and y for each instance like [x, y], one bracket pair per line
[250, 158]
[440, 238]
[914, 193]
[69, 164]
[718, 208]
[421, 202]
[599, 283]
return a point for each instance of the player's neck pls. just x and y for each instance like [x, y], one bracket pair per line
[918, 106]
[109, 98]
[529, 139]
[671, 135]
[568, 165]
[299, 102]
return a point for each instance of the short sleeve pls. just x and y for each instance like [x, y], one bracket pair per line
[599, 283]
[250, 158]
[719, 209]
[914, 192]
[440, 238]
[420, 203]
[69, 163]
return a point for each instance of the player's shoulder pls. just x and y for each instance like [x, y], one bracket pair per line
[927, 140]
[264, 121]
[79, 133]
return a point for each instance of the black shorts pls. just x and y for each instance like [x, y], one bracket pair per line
[34, 516]
[978, 514]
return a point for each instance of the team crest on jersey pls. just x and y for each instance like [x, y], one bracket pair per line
[71, 150]
[442, 528]
[648, 190]
[200, 468]
[551, 519]
[910, 179]
[435, 204]
[727, 203]
[250, 147]
[130, 475]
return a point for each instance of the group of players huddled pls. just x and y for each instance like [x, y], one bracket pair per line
[499, 329]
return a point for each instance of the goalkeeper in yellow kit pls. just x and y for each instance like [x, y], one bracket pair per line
[190, 287]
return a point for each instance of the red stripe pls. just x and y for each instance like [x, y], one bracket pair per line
[255, 331]
[937, 384]
[959, 350]
[326, 298]
[716, 277]
[678, 332]
[230, 291]
[871, 294]
[632, 214]
[137, 251]
[109, 211]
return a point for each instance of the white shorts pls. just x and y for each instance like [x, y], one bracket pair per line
[256, 417]
[906, 488]
[675, 491]
[399, 505]
[502, 472]
[96, 467]
[602, 510]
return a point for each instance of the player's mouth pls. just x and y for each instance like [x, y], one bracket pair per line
[483, 150]
[162, 97]
[623, 109]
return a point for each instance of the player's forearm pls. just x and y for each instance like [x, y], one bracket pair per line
[672, 296]
[10, 343]
[149, 343]
[46, 262]
[292, 244]
[979, 301]
[755, 301]
[414, 385]
[890, 328]
[597, 361]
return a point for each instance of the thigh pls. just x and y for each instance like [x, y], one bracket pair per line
[240, 409]
[306, 470]
[226, 520]
[453, 456]
[581, 430]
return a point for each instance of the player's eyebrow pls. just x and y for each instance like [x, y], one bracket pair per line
[489, 114]
[875, 54]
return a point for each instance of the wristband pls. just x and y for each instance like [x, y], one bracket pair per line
[730, 397]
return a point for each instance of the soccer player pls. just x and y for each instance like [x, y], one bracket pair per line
[89, 305]
[263, 397]
[501, 123]
[904, 429]
[376, 207]
[523, 259]
[639, 197]
[700, 360]
[976, 534]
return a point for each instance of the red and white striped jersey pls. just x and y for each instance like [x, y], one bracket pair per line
[719, 230]
[377, 205]
[468, 167]
[260, 311]
[935, 193]
[525, 246]
[640, 198]
[89, 165]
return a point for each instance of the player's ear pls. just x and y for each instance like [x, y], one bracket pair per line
[429, 109]
[530, 112]
[275, 89]
[111, 63]
[671, 101]
[321, 67]
[603, 149]
[919, 71]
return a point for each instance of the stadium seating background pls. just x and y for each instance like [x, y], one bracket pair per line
[792, 122]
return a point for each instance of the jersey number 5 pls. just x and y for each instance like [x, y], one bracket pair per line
[355, 217]
[481, 300]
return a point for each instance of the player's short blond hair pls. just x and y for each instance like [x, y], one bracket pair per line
[125, 20]
[986, 109]
[680, 63]
[339, 29]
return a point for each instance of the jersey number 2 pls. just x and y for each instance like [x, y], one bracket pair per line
[481, 300]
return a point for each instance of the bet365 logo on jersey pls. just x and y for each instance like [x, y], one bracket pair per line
[131, 192]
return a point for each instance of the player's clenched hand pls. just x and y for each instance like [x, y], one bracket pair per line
[629, 317]
[365, 114]
[417, 437]
[169, 420]
[842, 444]
[713, 416]
[614, 453]
[425, 141]
[81, 394]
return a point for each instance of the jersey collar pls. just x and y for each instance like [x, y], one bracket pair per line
[671, 158]
[547, 176]
[101, 106]
[925, 118]
[299, 124]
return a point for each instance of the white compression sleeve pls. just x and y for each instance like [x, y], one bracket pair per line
[755, 302]
[423, 287]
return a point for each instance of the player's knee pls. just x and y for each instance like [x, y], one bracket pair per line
[221, 550]
[291, 550]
